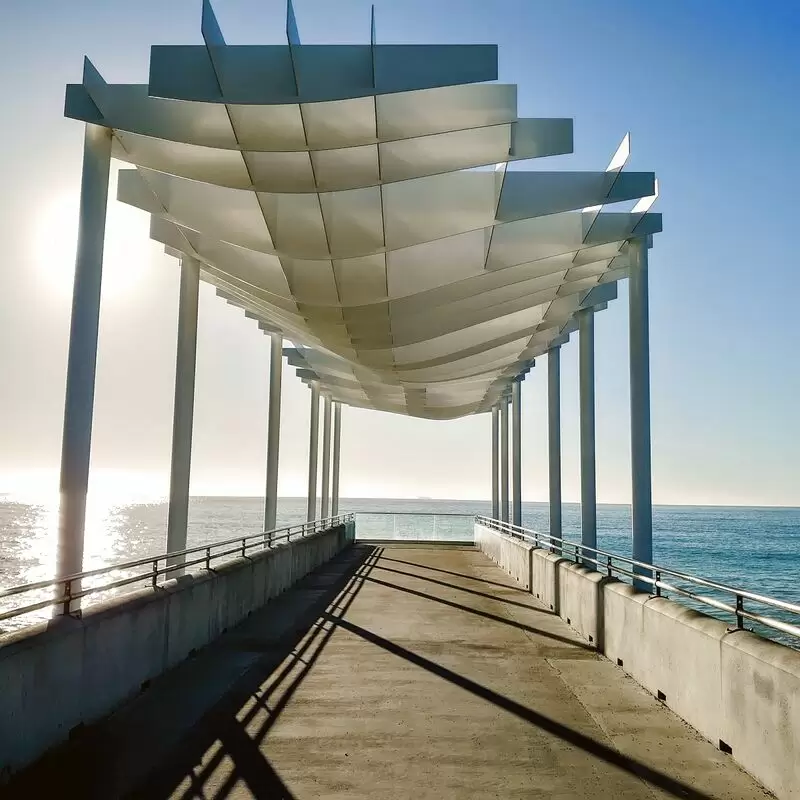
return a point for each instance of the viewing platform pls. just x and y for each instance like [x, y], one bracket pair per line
[307, 662]
[356, 203]
[395, 671]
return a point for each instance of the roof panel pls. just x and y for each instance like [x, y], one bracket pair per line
[343, 196]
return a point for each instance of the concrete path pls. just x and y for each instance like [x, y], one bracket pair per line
[394, 672]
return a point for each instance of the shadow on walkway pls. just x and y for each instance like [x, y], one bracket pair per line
[512, 623]
[446, 585]
[455, 574]
[224, 752]
[103, 762]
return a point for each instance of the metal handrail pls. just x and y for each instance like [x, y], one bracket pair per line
[416, 514]
[68, 589]
[653, 574]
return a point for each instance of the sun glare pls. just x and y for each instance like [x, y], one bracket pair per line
[128, 248]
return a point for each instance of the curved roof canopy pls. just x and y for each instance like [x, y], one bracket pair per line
[357, 199]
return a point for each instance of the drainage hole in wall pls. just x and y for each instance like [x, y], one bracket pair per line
[569, 621]
[591, 639]
[78, 729]
[725, 747]
[661, 696]
[145, 685]
[619, 663]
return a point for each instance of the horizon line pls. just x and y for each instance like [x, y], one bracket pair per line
[165, 499]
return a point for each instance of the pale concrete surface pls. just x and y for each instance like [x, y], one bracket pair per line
[394, 673]
[732, 686]
[61, 675]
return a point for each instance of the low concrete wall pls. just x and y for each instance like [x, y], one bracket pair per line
[580, 598]
[545, 574]
[508, 553]
[69, 672]
[738, 690]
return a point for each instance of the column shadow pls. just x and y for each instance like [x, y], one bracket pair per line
[92, 767]
[597, 749]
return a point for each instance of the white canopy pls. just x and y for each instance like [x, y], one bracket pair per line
[358, 200]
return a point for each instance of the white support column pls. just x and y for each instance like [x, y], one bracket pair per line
[516, 452]
[641, 495]
[588, 478]
[313, 449]
[496, 462]
[504, 511]
[82, 358]
[337, 452]
[273, 432]
[183, 411]
[326, 456]
[554, 438]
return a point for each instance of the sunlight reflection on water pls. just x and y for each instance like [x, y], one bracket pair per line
[757, 549]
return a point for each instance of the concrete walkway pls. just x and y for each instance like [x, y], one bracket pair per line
[394, 673]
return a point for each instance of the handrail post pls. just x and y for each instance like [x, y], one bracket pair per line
[155, 573]
[67, 597]
[739, 609]
[658, 582]
[208, 558]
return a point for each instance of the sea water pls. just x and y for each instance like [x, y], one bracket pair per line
[750, 548]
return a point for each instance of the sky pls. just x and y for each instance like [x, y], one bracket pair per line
[708, 91]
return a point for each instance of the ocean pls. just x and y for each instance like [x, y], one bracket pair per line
[750, 548]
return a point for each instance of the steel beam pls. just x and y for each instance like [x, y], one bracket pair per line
[326, 455]
[82, 359]
[516, 452]
[504, 510]
[587, 426]
[641, 494]
[183, 411]
[273, 432]
[313, 449]
[554, 438]
[337, 441]
[495, 462]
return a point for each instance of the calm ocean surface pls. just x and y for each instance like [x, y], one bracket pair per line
[751, 548]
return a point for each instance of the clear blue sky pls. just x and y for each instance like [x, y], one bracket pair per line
[709, 92]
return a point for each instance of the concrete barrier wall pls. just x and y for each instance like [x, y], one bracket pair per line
[69, 672]
[508, 553]
[545, 575]
[737, 689]
[580, 598]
